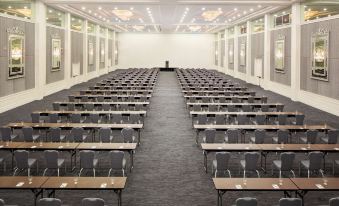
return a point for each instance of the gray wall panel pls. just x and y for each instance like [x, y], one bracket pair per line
[230, 43]
[241, 40]
[77, 49]
[257, 50]
[91, 68]
[102, 64]
[282, 78]
[330, 88]
[10, 86]
[110, 51]
[54, 76]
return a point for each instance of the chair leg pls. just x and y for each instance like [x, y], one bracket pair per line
[94, 172]
[16, 169]
[215, 173]
[45, 170]
[58, 172]
[229, 173]
[258, 173]
[293, 173]
[29, 172]
[80, 171]
[308, 173]
[279, 173]
[123, 172]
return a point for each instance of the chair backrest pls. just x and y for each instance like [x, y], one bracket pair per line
[6, 133]
[219, 119]
[290, 202]
[250, 99]
[84, 99]
[287, 160]
[117, 118]
[222, 99]
[100, 98]
[334, 201]
[282, 119]
[210, 135]
[77, 134]
[123, 107]
[212, 108]
[316, 159]
[251, 159]
[222, 159]
[53, 117]
[35, 117]
[106, 107]
[114, 98]
[49, 202]
[127, 134]
[280, 108]
[283, 136]
[311, 136]
[92, 202]
[75, 118]
[51, 158]
[134, 118]
[21, 159]
[94, 118]
[54, 134]
[235, 100]
[242, 119]
[89, 107]
[332, 136]
[260, 119]
[264, 108]
[260, 136]
[231, 108]
[2, 202]
[105, 134]
[70, 107]
[246, 108]
[264, 99]
[196, 107]
[299, 119]
[27, 133]
[205, 99]
[232, 135]
[202, 119]
[86, 159]
[117, 158]
[246, 201]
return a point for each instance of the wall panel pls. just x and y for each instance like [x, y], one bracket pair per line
[230, 45]
[77, 50]
[241, 68]
[257, 50]
[102, 64]
[91, 68]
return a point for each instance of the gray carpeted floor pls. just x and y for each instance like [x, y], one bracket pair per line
[168, 166]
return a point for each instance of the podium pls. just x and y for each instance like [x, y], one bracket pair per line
[167, 68]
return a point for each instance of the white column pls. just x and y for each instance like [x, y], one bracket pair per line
[85, 49]
[97, 50]
[248, 51]
[226, 51]
[295, 51]
[219, 51]
[236, 52]
[67, 50]
[267, 52]
[106, 51]
[40, 48]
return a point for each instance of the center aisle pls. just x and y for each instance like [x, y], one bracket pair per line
[168, 165]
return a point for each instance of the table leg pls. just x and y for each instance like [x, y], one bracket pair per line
[131, 153]
[139, 134]
[197, 137]
[205, 160]
[73, 155]
[36, 193]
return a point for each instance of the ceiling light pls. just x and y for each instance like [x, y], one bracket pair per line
[219, 9]
[187, 9]
[25, 7]
[90, 11]
[123, 14]
[50, 11]
[147, 8]
[131, 8]
[251, 9]
[203, 8]
[83, 8]
[259, 6]
[239, 15]
[99, 7]
[115, 8]
[284, 12]
[235, 9]
[305, 6]
[95, 14]
[245, 12]
[211, 15]
[9, 7]
[59, 14]
[325, 9]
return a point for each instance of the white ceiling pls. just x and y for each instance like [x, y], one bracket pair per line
[170, 15]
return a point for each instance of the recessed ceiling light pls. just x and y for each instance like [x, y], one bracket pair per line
[259, 6]
[115, 8]
[95, 14]
[90, 11]
[219, 9]
[245, 12]
[147, 8]
[251, 9]
[131, 8]
[239, 15]
[59, 14]
[99, 7]
[9, 7]
[203, 8]
[83, 8]
[25, 7]
[325, 9]
[187, 9]
[305, 6]
[50, 11]
[284, 12]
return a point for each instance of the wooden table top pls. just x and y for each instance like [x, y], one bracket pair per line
[21, 182]
[114, 90]
[246, 113]
[9, 145]
[270, 147]
[107, 146]
[48, 145]
[108, 96]
[219, 92]
[101, 103]
[265, 127]
[71, 125]
[118, 88]
[213, 87]
[316, 183]
[226, 97]
[88, 112]
[85, 183]
[235, 104]
[262, 184]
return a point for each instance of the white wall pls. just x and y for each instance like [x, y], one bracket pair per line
[152, 50]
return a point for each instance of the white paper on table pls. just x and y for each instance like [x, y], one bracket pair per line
[33, 147]
[319, 186]
[60, 147]
[103, 185]
[93, 147]
[63, 185]
[239, 187]
[275, 186]
[19, 184]
[121, 147]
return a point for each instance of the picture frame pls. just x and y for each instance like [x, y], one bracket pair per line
[242, 54]
[90, 52]
[16, 55]
[279, 55]
[56, 54]
[320, 54]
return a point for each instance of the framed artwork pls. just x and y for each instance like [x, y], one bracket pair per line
[102, 51]
[243, 54]
[56, 54]
[319, 56]
[279, 55]
[231, 53]
[90, 52]
[16, 59]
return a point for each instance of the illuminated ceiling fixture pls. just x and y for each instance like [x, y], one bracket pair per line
[99, 7]
[138, 27]
[211, 15]
[194, 28]
[123, 14]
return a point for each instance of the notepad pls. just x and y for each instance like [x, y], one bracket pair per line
[33, 147]
[275, 186]
[103, 185]
[121, 147]
[278, 148]
[1, 146]
[319, 186]
[336, 148]
[303, 148]
[239, 187]
[63, 185]
[93, 147]
[19, 184]
[247, 148]
[60, 147]
[219, 147]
